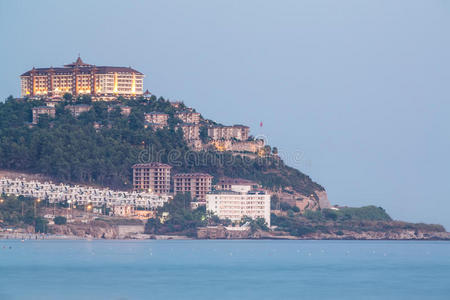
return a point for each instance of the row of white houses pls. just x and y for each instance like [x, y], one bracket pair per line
[80, 195]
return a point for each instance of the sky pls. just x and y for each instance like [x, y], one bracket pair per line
[353, 93]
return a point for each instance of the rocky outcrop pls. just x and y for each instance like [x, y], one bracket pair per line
[221, 232]
[379, 235]
[317, 199]
[323, 199]
[95, 230]
[98, 230]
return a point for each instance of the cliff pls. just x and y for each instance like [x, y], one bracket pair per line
[396, 231]
[98, 230]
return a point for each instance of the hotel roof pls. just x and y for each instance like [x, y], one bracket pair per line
[81, 67]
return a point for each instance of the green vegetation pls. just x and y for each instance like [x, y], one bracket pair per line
[350, 219]
[367, 213]
[21, 211]
[255, 224]
[60, 220]
[72, 150]
[328, 220]
[177, 217]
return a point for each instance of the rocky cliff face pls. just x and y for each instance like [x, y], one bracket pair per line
[317, 199]
[377, 235]
[221, 232]
[103, 230]
[98, 230]
[95, 230]
[322, 199]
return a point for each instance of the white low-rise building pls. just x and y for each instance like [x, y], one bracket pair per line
[81, 195]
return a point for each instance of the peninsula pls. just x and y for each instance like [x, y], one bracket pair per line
[87, 153]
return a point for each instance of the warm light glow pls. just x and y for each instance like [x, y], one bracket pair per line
[219, 146]
[133, 85]
[115, 83]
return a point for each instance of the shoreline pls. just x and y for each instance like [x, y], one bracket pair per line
[44, 237]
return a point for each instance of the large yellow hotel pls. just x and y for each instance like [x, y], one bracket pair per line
[79, 78]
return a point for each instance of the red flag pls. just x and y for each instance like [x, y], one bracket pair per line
[260, 124]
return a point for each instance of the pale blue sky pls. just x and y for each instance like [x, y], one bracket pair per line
[360, 88]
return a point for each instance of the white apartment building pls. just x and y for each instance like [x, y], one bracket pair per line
[238, 132]
[158, 119]
[189, 117]
[190, 131]
[234, 205]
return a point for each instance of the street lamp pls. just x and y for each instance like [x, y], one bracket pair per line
[35, 202]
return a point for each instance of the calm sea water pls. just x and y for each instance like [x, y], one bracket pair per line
[224, 270]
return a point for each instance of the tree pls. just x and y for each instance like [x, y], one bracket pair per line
[285, 206]
[68, 97]
[204, 134]
[70, 149]
[41, 225]
[85, 99]
[60, 220]
[274, 202]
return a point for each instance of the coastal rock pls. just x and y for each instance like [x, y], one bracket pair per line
[221, 232]
[316, 200]
[96, 230]
[323, 199]
[380, 235]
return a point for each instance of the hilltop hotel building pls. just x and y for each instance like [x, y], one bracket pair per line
[79, 78]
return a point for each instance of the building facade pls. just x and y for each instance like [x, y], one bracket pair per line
[191, 134]
[236, 184]
[152, 177]
[81, 195]
[123, 210]
[236, 205]
[238, 132]
[42, 110]
[197, 184]
[189, 117]
[156, 119]
[78, 109]
[79, 78]
[190, 131]
[124, 110]
[236, 146]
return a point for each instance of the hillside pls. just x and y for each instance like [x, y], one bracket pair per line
[100, 146]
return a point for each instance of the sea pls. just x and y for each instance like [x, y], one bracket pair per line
[224, 269]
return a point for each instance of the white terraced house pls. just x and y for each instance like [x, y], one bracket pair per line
[81, 195]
